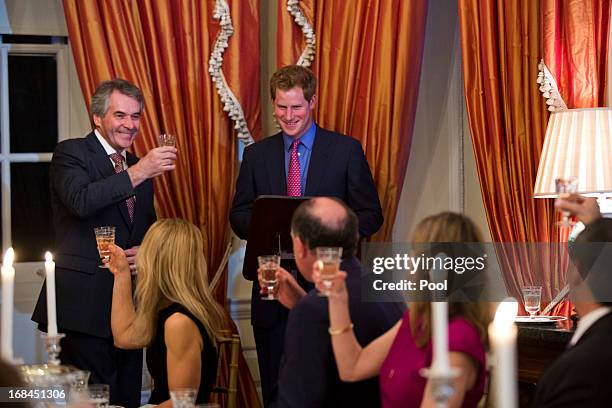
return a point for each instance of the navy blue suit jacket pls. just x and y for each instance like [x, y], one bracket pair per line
[86, 193]
[582, 376]
[338, 168]
[308, 374]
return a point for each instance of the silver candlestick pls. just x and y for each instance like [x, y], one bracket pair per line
[53, 347]
[441, 380]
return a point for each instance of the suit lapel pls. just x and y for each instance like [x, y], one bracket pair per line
[321, 150]
[276, 172]
[100, 158]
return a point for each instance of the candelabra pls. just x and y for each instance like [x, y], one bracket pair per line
[67, 379]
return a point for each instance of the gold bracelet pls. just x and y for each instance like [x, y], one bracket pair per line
[340, 331]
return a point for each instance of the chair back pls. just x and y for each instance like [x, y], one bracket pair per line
[226, 386]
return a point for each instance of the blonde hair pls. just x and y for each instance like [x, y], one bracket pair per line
[446, 227]
[172, 269]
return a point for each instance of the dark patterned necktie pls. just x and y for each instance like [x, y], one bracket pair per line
[131, 201]
[294, 184]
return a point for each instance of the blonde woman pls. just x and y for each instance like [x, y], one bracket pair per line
[175, 316]
[399, 354]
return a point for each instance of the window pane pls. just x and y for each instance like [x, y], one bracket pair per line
[32, 103]
[30, 210]
[32, 39]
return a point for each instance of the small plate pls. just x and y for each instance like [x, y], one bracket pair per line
[539, 319]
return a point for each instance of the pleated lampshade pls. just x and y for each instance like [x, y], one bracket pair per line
[578, 144]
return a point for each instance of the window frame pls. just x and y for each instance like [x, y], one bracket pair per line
[60, 52]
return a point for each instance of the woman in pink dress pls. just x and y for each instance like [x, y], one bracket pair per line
[398, 355]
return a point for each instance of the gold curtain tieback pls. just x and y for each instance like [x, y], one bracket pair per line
[340, 331]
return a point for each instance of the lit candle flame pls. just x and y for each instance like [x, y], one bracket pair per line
[48, 257]
[505, 314]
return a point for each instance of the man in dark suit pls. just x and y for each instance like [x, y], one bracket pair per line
[308, 376]
[581, 377]
[96, 182]
[319, 163]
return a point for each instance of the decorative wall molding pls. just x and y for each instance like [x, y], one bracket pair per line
[549, 89]
[231, 105]
[298, 16]
[240, 312]
[239, 309]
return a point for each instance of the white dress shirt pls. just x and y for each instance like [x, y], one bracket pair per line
[587, 321]
[109, 149]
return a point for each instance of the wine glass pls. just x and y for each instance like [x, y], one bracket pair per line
[328, 263]
[564, 187]
[532, 296]
[269, 264]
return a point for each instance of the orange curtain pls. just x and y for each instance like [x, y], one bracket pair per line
[576, 49]
[501, 46]
[290, 41]
[368, 63]
[164, 46]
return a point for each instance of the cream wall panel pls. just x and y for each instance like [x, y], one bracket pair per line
[32, 17]
[434, 179]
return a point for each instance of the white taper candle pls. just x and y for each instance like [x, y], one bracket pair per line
[51, 313]
[502, 335]
[8, 282]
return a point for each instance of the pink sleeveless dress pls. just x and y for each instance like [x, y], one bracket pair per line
[401, 385]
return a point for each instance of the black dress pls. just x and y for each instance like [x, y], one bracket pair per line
[157, 354]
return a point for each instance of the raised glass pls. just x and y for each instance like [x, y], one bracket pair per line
[564, 187]
[166, 139]
[105, 236]
[269, 264]
[328, 263]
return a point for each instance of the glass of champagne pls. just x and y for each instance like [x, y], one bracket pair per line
[166, 139]
[532, 296]
[564, 187]
[104, 237]
[328, 263]
[269, 264]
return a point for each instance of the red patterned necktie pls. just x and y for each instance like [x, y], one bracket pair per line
[294, 184]
[131, 202]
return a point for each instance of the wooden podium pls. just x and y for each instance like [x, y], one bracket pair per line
[270, 231]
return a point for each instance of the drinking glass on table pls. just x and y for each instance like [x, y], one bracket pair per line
[183, 397]
[98, 395]
[532, 296]
[328, 263]
[166, 139]
[269, 264]
[104, 237]
[78, 379]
